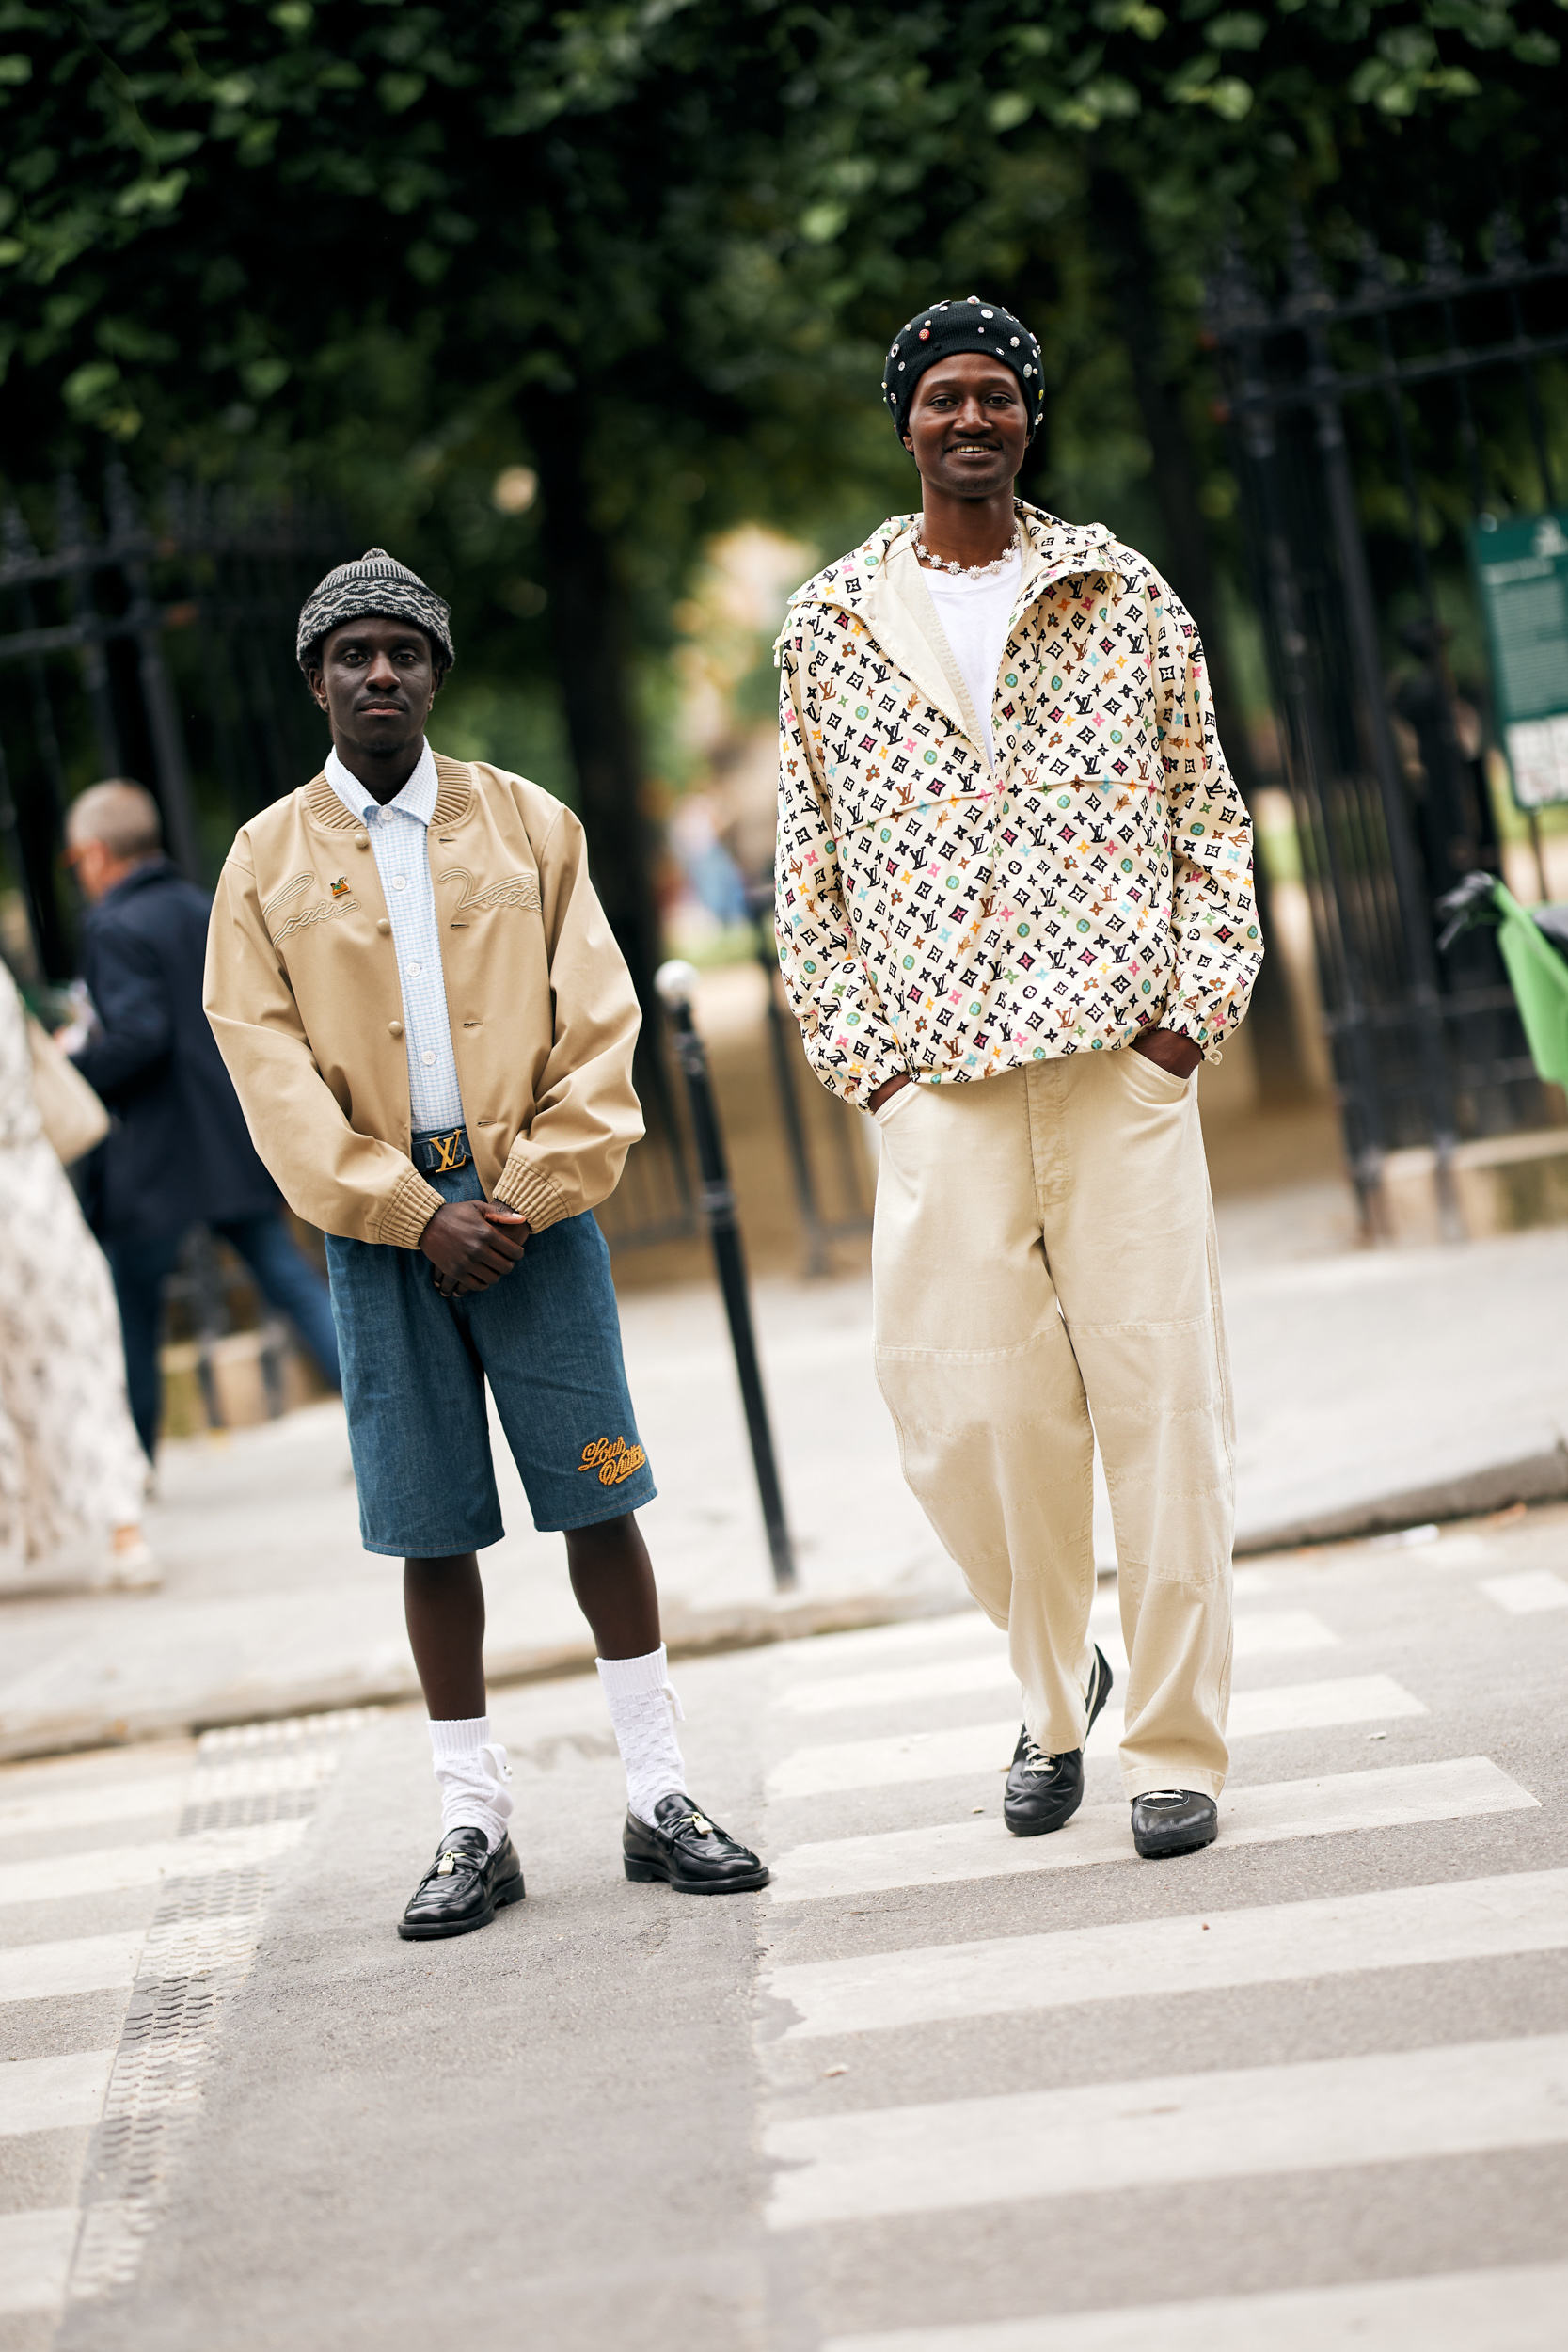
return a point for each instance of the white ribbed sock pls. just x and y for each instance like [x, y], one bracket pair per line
[642, 1709]
[472, 1770]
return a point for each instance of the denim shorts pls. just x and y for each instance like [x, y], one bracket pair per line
[546, 1337]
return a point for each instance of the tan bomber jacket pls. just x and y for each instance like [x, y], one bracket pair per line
[940, 920]
[303, 994]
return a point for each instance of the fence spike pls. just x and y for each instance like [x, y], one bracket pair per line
[1507, 252]
[1442, 255]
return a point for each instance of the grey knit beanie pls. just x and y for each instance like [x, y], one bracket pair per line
[377, 583]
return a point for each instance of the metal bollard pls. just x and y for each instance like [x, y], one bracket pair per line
[674, 982]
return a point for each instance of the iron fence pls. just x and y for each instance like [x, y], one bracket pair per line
[149, 643]
[1375, 415]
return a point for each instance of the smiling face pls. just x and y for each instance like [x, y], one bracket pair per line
[969, 427]
[375, 680]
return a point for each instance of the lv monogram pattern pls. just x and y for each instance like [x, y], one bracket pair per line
[937, 920]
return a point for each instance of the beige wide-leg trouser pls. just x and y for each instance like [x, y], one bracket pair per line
[1044, 1258]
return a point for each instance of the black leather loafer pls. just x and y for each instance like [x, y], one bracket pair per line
[1173, 1821]
[1044, 1791]
[690, 1851]
[463, 1889]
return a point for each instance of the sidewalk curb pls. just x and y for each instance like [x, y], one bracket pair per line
[1533, 1478]
[689, 1634]
[1541, 1477]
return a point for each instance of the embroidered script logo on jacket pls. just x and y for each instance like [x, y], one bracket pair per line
[512, 890]
[613, 1459]
[937, 920]
[342, 902]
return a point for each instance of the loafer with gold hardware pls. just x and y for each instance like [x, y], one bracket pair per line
[463, 1887]
[691, 1852]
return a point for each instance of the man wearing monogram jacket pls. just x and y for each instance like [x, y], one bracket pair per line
[1015, 913]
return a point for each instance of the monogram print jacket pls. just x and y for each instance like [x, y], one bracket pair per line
[303, 994]
[942, 921]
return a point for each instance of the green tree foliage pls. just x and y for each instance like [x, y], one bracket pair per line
[653, 248]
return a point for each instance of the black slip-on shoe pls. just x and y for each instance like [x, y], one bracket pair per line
[690, 1851]
[1044, 1791]
[463, 1887]
[1173, 1821]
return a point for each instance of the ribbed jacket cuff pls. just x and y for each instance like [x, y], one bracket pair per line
[523, 1189]
[408, 1212]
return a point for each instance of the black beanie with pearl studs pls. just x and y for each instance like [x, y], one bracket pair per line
[945, 328]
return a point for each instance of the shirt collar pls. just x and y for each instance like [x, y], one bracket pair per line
[416, 798]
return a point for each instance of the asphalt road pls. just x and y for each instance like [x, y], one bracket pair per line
[938, 2091]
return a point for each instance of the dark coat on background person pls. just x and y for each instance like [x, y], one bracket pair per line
[180, 1149]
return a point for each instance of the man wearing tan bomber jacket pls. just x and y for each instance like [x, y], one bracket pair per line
[1015, 914]
[431, 1027]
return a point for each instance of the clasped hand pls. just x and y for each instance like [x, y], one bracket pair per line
[471, 1244]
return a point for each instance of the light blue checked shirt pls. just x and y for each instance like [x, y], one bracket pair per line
[398, 836]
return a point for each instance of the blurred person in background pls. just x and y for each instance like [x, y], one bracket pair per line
[179, 1152]
[70, 1468]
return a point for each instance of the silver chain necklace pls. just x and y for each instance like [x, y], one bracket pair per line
[968, 571]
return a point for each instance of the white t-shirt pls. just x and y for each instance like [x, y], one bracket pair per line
[974, 615]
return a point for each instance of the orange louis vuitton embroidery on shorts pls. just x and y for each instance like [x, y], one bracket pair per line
[614, 1460]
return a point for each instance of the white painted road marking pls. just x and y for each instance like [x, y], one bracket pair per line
[54, 2094]
[945, 1851]
[1506, 2311]
[957, 2154]
[35, 2258]
[906, 1756]
[109, 1869]
[1402, 1928]
[128, 1800]
[88, 1964]
[131, 1800]
[1288, 1632]
[1524, 1594]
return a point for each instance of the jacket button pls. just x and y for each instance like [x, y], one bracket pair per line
[394, 1028]
[361, 840]
[382, 925]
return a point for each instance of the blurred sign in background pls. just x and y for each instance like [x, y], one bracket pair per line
[1523, 570]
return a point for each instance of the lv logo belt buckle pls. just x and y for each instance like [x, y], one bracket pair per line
[452, 1150]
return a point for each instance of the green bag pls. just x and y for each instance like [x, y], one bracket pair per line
[1535, 955]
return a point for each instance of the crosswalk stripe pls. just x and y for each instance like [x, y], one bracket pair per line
[50, 2094]
[85, 1963]
[904, 1757]
[84, 1808]
[1285, 1632]
[1518, 2310]
[958, 2153]
[1523, 1596]
[132, 1799]
[35, 2258]
[113, 1869]
[941, 1853]
[1402, 1927]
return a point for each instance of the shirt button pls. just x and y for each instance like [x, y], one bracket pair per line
[413, 970]
[400, 881]
[386, 815]
[428, 1059]
[394, 1028]
[382, 925]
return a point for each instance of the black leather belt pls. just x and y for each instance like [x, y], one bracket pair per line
[438, 1154]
